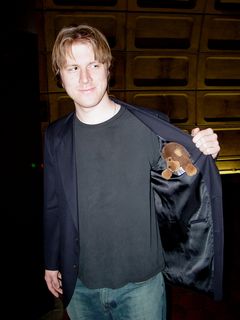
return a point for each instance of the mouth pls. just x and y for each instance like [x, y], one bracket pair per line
[87, 90]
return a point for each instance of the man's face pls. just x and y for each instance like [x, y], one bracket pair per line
[84, 79]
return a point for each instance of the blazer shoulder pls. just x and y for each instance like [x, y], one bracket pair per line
[59, 124]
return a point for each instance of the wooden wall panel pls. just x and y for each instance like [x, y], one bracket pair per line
[154, 32]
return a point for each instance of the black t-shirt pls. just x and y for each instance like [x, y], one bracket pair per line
[119, 235]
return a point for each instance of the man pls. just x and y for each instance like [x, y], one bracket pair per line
[105, 199]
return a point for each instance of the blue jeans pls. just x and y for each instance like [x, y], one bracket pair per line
[135, 301]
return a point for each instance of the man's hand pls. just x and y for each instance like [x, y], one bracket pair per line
[54, 282]
[206, 141]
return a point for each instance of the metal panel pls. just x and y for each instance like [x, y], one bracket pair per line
[178, 106]
[230, 147]
[164, 70]
[154, 32]
[221, 33]
[166, 5]
[86, 4]
[60, 105]
[219, 71]
[218, 108]
[223, 6]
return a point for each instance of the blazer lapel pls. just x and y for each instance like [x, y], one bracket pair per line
[67, 166]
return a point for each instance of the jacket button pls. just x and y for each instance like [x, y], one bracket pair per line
[74, 266]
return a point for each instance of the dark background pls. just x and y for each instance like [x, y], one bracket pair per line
[24, 294]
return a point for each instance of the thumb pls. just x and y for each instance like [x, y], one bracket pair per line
[194, 131]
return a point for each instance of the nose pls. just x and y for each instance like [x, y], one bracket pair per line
[85, 75]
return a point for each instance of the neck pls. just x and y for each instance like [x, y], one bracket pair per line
[98, 113]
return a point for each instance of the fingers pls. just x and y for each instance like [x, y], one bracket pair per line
[195, 131]
[56, 287]
[207, 141]
[54, 282]
[199, 134]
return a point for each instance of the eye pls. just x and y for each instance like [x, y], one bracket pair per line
[72, 68]
[94, 65]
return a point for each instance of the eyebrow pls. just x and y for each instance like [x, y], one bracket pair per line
[76, 64]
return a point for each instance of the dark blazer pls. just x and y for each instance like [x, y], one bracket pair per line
[189, 209]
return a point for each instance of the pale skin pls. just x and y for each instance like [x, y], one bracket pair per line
[85, 80]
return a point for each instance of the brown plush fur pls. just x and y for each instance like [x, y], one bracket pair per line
[177, 156]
